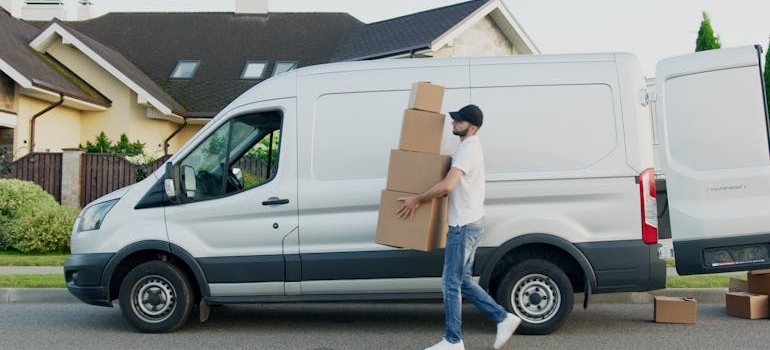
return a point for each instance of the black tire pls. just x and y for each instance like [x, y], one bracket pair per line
[156, 297]
[540, 293]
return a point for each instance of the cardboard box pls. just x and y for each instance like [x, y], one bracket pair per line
[426, 231]
[746, 305]
[738, 285]
[675, 310]
[415, 172]
[422, 131]
[759, 281]
[426, 96]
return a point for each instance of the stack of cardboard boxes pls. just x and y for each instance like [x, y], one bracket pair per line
[745, 298]
[749, 299]
[413, 168]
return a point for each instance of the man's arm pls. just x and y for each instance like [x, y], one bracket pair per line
[440, 189]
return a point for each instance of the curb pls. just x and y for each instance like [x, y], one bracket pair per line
[702, 295]
[36, 295]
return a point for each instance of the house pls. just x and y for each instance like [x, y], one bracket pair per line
[158, 77]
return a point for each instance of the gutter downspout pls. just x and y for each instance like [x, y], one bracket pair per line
[38, 114]
[165, 142]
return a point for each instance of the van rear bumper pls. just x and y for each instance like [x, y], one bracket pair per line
[83, 273]
[625, 266]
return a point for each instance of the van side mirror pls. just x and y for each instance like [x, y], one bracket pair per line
[168, 182]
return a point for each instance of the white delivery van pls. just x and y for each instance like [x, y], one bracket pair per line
[276, 199]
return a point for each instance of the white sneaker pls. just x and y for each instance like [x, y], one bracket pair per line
[505, 330]
[445, 345]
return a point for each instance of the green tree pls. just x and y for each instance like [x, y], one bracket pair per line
[127, 148]
[103, 144]
[706, 39]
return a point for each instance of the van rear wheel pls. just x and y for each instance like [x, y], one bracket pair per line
[540, 293]
[156, 297]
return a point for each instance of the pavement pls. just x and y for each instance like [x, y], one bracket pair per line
[61, 295]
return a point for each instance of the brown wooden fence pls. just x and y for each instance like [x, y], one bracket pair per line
[102, 173]
[44, 169]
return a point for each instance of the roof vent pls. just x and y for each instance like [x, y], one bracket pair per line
[252, 6]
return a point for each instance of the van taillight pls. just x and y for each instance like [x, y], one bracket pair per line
[649, 206]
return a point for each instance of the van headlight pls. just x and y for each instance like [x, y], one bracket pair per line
[91, 218]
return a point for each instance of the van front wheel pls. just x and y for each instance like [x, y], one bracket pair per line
[155, 297]
[540, 293]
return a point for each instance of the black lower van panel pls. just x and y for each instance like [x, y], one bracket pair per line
[625, 266]
[704, 256]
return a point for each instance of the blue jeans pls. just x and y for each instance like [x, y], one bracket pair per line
[457, 282]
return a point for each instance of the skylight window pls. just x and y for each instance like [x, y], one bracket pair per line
[281, 67]
[185, 69]
[253, 70]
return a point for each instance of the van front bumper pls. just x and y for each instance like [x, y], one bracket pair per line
[83, 273]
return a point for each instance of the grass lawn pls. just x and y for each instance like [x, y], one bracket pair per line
[14, 258]
[703, 281]
[32, 281]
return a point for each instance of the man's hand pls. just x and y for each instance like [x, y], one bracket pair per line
[407, 210]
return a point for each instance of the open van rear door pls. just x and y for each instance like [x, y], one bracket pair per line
[713, 135]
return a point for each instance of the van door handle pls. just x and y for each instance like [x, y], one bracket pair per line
[275, 201]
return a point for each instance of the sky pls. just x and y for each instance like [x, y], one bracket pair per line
[650, 29]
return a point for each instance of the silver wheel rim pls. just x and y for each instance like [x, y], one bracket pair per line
[536, 298]
[153, 299]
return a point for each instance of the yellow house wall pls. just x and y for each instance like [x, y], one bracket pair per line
[56, 129]
[185, 134]
[124, 116]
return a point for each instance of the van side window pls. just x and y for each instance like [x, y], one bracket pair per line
[241, 154]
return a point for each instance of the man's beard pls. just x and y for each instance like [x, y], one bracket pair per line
[460, 133]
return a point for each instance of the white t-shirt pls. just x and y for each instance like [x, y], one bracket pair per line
[466, 199]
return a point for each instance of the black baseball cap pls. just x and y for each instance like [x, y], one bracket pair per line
[470, 113]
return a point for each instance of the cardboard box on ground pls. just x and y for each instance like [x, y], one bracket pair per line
[675, 310]
[414, 168]
[749, 298]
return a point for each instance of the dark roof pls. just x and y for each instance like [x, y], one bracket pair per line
[126, 67]
[41, 69]
[147, 46]
[222, 42]
[404, 34]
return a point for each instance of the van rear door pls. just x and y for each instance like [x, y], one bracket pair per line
[712, 119]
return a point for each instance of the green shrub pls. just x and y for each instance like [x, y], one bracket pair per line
[31, 220]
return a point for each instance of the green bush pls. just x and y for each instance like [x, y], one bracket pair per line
[31, 220]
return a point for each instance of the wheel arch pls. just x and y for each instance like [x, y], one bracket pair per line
[540, 245]
[140, 252]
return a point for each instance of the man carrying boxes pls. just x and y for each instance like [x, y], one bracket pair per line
[415, 166]
[465, 185]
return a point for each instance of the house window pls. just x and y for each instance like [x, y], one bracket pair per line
[8, 94]
[185, 69]
[281, 67]
[253, 70]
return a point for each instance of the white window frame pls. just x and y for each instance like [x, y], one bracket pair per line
[177, 72]
[247, 70]
[278, 63]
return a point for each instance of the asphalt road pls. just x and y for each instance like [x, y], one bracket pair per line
[333, 326]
